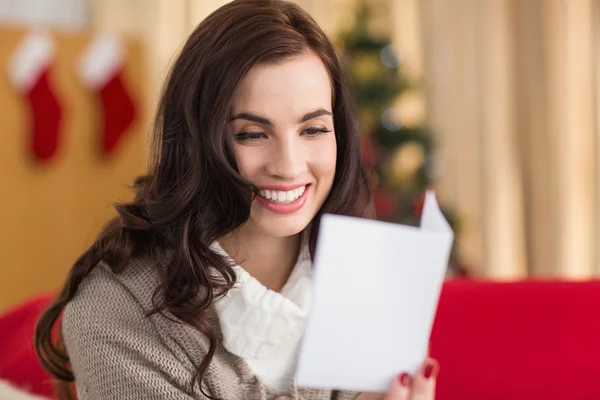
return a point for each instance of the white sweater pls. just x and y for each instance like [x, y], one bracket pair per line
[265, 327]
[11, 392]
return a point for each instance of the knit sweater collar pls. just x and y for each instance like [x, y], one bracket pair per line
[264, 327]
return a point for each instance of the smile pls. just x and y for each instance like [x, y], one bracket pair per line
[283, 197]
[284, 201]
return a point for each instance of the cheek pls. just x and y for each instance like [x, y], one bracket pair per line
[248, 160]
[326, 161]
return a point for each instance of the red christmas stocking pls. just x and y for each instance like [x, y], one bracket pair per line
[101, 70]
[29, 73]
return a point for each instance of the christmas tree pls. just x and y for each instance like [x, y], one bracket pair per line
[398, 152]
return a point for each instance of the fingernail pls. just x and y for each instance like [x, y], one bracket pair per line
[405, 379]
[428, 370]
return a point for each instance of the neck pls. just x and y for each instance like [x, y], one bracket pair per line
[268, 259]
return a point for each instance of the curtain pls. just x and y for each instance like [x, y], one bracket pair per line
[511, 95]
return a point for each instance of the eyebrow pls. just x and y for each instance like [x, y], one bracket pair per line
[264, 121]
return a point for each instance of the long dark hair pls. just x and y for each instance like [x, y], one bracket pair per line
[193, 193]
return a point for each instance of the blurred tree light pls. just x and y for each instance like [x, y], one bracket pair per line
[399, 151]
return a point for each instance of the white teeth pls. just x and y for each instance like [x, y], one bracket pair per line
[281, 196]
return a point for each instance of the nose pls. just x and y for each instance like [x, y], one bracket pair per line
[287, 161]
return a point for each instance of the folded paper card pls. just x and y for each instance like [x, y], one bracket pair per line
[376, 289]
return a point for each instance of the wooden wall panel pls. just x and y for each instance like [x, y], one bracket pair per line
[49, 213]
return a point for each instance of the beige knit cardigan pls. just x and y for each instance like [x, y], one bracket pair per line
[118, 353]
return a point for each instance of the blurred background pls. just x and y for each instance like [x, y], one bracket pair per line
[493, 103]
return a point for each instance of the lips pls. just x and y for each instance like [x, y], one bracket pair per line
[270, 199]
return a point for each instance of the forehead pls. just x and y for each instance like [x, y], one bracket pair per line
[285, 89]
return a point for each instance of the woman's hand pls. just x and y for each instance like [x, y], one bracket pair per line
[405, 387]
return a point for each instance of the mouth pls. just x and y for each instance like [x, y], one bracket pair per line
[284, 201]
[283, 197]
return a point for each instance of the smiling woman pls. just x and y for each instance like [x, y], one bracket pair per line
[200, 288]
[285, 143]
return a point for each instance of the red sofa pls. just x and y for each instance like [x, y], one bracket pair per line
[519, 341]
[18, 362]
[494, 341]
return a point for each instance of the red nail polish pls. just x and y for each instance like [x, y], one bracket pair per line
[405, 379]
[428, 371]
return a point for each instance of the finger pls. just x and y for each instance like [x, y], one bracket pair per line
[399, 389]
[423, 383]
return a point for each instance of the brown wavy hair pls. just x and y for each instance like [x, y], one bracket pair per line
[193, 193]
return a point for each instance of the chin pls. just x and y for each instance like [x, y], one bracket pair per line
[283, 226]
[268, 223]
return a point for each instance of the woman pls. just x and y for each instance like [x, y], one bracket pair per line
[199, 288]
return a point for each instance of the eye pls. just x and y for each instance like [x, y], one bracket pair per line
[249, 136]
[315, 131]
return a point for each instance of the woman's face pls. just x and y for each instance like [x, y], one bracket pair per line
[284, 142]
